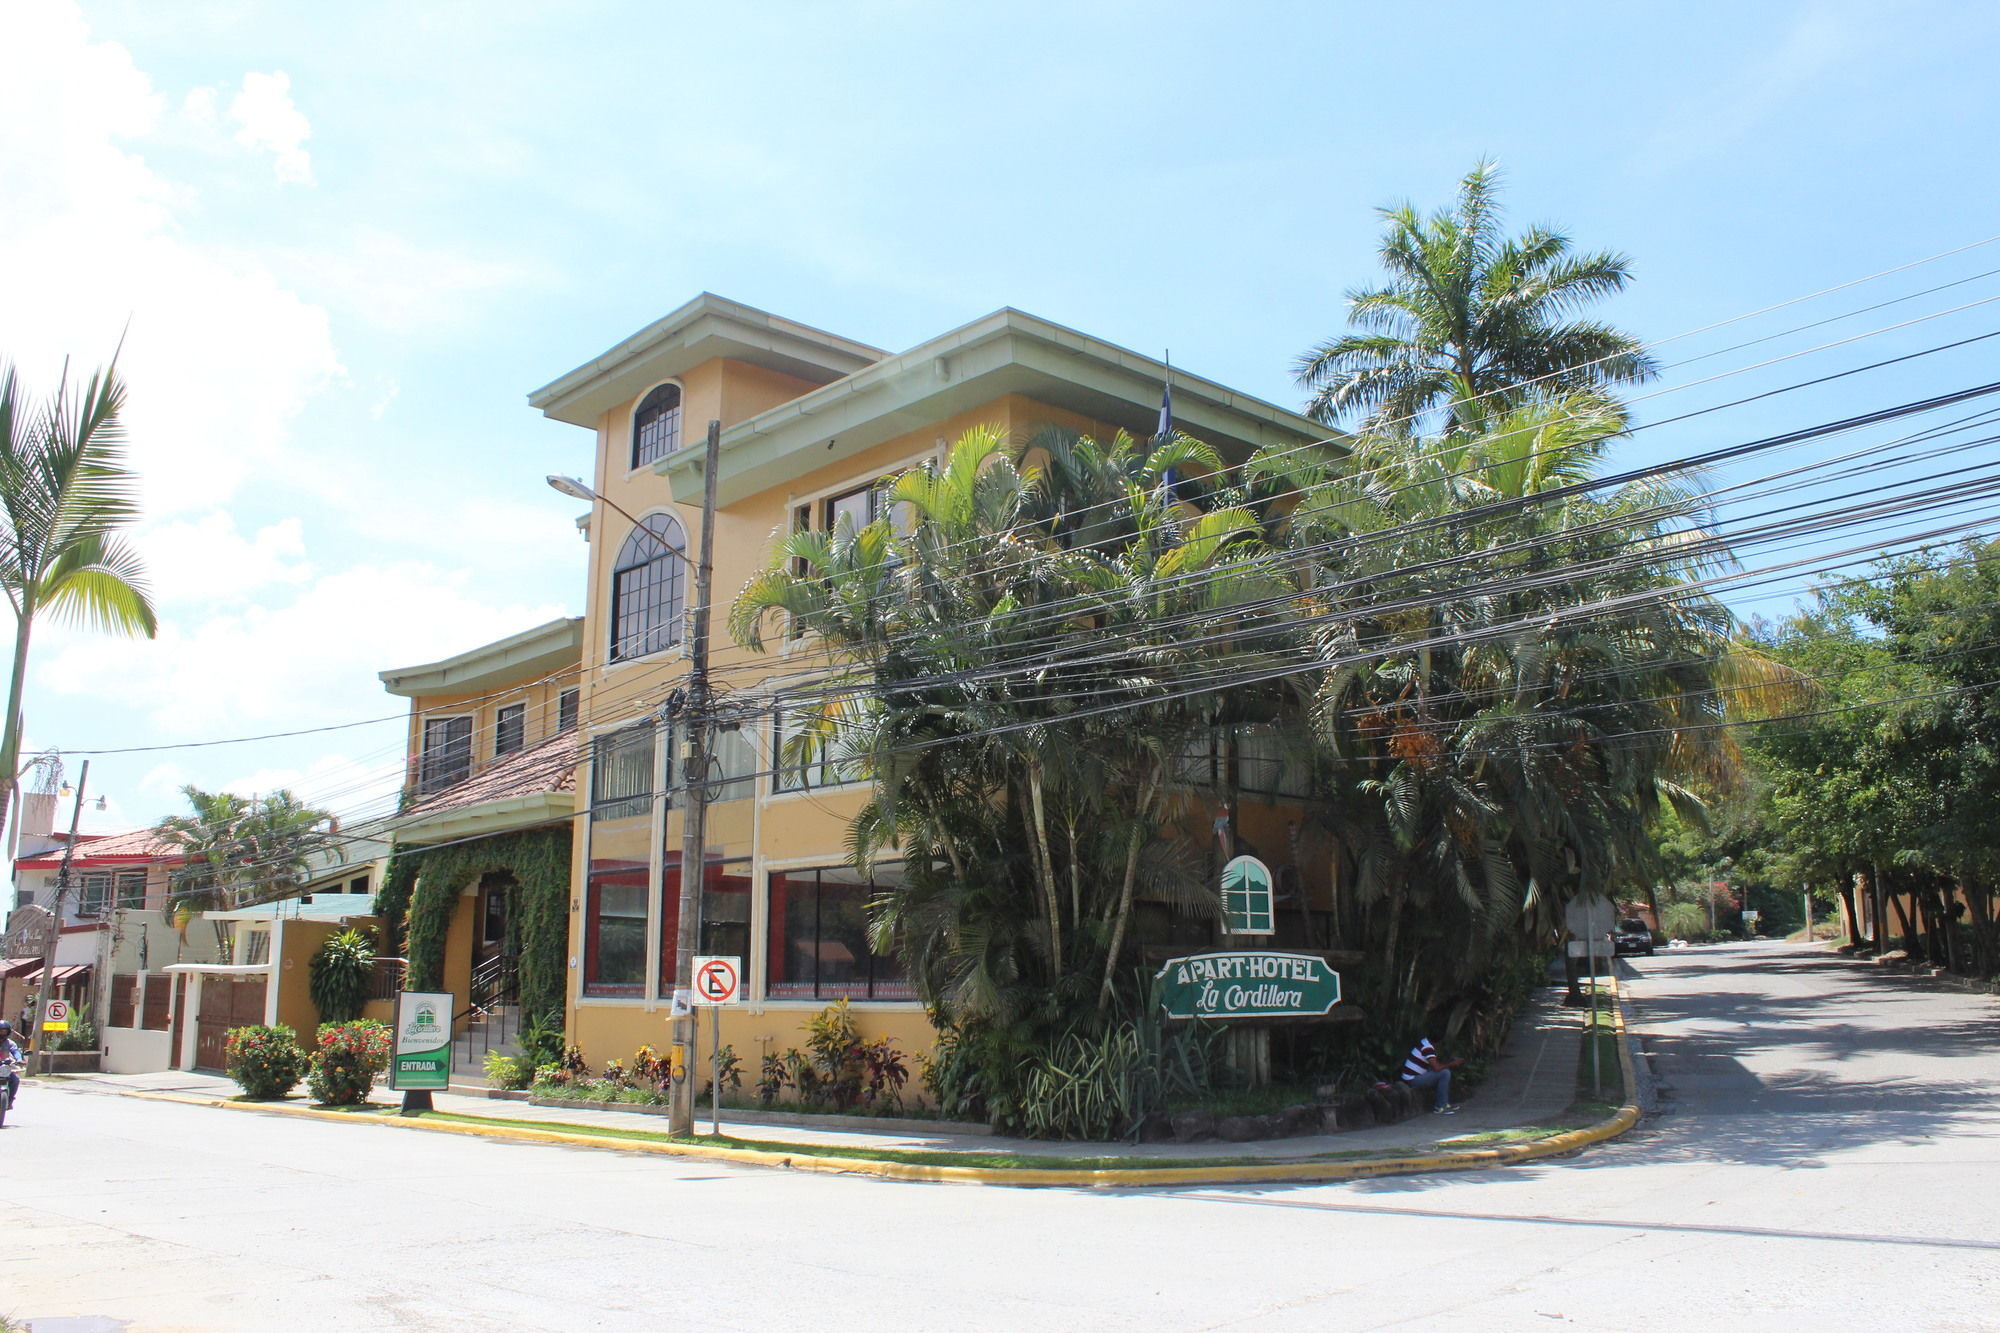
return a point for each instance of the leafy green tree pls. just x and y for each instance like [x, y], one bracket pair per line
[341, 971]
[1027, 819]
[1469, 313]
[240, 852]
[1515, 689]
[65, 498]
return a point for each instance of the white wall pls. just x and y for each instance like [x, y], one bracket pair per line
[136, 1051]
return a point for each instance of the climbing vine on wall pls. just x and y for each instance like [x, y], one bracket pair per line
[539, 861]
[392, 900]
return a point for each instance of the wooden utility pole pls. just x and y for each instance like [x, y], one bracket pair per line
[694, 798]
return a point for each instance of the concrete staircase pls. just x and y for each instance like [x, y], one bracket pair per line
[495, 1030]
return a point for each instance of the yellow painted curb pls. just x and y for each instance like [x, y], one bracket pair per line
[1468, 1159]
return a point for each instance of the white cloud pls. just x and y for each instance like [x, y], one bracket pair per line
[269, 121]
[314, 658]
[220, 357]
[207, 560]
[198, 107]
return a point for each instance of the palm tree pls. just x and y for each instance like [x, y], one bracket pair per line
[241, 852]
[65, 493]
[1470, 316]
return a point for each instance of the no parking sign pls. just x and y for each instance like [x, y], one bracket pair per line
[718, 979]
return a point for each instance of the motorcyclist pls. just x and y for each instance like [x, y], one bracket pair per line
[10, 1056]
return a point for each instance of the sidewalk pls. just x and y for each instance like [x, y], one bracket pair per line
[1531, 1085]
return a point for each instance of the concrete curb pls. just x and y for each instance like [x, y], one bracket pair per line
[1470, 1159]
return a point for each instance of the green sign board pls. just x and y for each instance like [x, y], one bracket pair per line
[1247, 907]
[422, 1059]
[1247, 985]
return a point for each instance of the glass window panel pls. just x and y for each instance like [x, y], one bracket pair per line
[447, 753]
[735, 764]
[132, 888]
[856, 506]
[818, 940]
[510, 729]
[566, 709]
[656, 426]
[93, 891]
[648, 588]
[621, 773]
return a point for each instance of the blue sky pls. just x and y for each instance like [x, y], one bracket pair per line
[351, 238]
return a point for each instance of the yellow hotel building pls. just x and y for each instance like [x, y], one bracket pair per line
[809, 422]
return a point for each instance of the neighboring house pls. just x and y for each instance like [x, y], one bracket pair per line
[163, 992]
[119, 886]
[479, 890]
[809, 422]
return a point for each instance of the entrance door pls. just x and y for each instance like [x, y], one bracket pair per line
[226, 1002]
[495, 942]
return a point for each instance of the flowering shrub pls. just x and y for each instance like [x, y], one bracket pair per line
[266, 1062]
[349, 1058]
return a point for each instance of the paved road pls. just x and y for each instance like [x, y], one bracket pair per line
[1828, 1157]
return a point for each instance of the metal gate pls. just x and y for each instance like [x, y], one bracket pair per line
[226, 1002]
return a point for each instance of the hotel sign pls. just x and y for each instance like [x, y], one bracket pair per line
[1257, 984]
[422, 1058]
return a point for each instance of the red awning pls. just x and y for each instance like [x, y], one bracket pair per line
[30, 971]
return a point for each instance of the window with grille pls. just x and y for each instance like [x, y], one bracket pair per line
[656, 426]
[447, 755]
[510, 729]
[566, 710]
[648, 588]
[131, 886]
[621, 773]
[93, 891]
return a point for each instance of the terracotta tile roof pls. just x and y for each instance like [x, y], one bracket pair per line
[142, 843]
[545, 767]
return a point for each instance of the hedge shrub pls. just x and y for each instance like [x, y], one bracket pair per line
[266, 1062]
[349, 1058]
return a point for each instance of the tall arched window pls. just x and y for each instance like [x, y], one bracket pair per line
[648, 588]
[656, 426]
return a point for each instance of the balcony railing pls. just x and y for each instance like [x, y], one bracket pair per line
[387, 979]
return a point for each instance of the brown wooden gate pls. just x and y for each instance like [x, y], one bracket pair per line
[226, 1002]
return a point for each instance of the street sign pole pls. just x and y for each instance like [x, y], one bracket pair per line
[715, 1070]
[694, 788]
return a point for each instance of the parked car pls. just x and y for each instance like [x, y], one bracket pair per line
[1632, 936]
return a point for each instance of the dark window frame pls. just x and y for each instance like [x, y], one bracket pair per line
[613, 794]
[568, 706]
[656, 424]
[649, 588]
[883, 979]
[449, 761]
[510, 729]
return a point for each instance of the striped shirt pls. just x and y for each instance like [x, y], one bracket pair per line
[1420, 1059]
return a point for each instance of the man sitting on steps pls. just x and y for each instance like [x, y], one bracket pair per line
[1423, 1070]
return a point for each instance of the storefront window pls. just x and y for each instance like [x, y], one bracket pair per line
[819, 937]
[725, 913]
[615, 891]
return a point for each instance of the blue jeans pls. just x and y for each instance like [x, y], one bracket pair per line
[1433, 1078]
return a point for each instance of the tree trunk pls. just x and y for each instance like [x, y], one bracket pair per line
[1982, 925]
[1047, 867]
[10, 734]
[1132, 849]
[1849, 913]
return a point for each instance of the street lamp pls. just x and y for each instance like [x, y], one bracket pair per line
[694, 778]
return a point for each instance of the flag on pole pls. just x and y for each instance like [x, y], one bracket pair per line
[1167, 402]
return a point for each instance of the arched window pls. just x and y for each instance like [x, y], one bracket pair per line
[648, 588]
[656, 426]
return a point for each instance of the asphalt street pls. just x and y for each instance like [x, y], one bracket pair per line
[1827, 1154]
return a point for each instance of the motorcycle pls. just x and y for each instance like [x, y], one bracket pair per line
[8, 1069]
